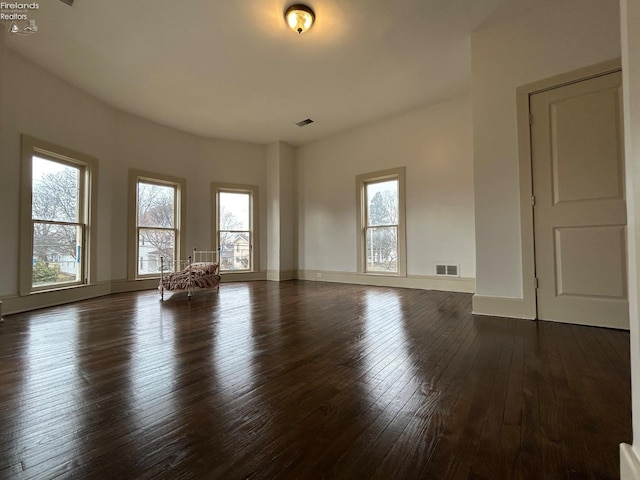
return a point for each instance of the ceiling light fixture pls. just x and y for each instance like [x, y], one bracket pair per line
[299, 17]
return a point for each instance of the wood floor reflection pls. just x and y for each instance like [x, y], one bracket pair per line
[307, 380]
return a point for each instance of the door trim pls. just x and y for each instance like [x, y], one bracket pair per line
[529, 307]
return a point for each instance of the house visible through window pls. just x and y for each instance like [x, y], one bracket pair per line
[57, 206]
[235, 231]
[58, 222]
[156, 225]
[234, 234]
[381, 222]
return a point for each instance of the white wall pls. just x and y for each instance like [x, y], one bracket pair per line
[38, 103]
[43, 106]
[541, 42]
[281, 208]
[630, 15]
[434, 144]
[288, 209]
[273, 211]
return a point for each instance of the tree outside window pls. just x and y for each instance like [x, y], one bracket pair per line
[156, 226]
[234, 232]
[58, 217]
[380, 218]
[58, 226]
[235, 227]
[382, 226]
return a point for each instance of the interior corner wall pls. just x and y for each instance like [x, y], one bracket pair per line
[630, 20]
[273, 211]
[37, 102]
[543, 41]
[281, 211]
[435, 145]
[288, 210]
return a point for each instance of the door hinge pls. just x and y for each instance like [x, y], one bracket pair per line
[533, 200]
[535, 283]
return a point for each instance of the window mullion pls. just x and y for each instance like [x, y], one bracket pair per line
[58, 222]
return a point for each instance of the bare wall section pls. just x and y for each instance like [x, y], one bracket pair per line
[435, 145]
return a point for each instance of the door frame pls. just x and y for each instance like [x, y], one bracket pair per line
[523, 93]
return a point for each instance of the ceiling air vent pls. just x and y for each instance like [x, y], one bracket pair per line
[302, 123]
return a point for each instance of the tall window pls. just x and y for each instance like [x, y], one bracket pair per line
[381, 222]
[236, 233]
[158, 201]
[56, 230]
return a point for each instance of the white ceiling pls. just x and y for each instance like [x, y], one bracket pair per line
[233, 69]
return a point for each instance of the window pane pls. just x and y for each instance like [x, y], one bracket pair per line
[382, 203]
[234, 211]
[382, 249]
[235, 250]
[55, 191]
[56, 254]
[153, 244]
[156, 205]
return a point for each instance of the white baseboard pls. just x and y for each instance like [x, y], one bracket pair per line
[629, 463]
[424, 282]
[281, 275]
[36, 300]
[500, 307]
[52, 298]
[242, 277]
[124, 285]
[17, 304]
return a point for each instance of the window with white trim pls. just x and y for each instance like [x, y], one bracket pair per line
[57, 209]
[156, 222]
[381, 222]
[235, 231]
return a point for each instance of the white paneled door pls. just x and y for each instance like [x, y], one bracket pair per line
[580, 211]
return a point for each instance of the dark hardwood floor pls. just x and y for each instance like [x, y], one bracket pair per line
[307, 380]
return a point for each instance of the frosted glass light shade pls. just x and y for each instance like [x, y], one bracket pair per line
[299, 17]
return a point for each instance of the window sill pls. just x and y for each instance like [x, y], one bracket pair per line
[57, 289]
[384, 274]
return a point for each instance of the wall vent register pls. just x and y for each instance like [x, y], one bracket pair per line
[447, 270]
